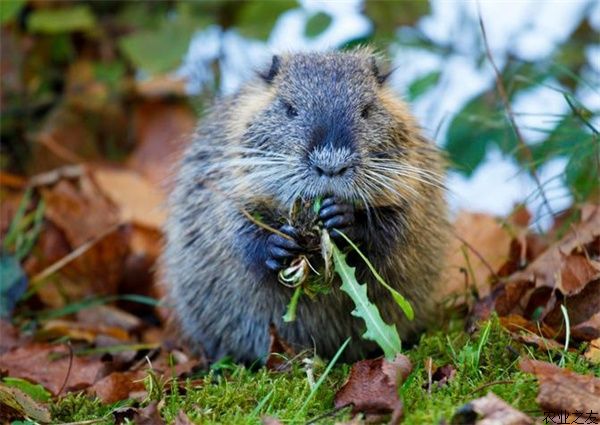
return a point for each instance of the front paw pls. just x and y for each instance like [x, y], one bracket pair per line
[280, 250]
[337, 215]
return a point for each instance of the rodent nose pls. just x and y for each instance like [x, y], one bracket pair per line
[331, 170]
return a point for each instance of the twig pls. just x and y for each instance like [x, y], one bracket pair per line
[263, 225]
[491, 384]
[58, 150]
[71, 355]
[511, 116]
[53, 268]
[579, 115]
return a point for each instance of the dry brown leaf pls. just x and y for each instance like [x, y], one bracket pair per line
[48, 365]
[78, 331]
[592, 353]
[484, 234]
[111, 317]
[490, 410]
[149, 415]
[280, 352]
[372, 387]
[138, 200]
[563, 390]
[119, 386]
[182, 419]
[9, 336]
[564, 264]
[162, 130]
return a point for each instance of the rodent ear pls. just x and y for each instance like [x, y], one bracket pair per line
[381, 78]
[273, 71]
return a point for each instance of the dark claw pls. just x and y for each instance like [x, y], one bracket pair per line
[339, 221]
[284, 243]
[334, 210]
[280, 253]
[281, 250]
[336, 214]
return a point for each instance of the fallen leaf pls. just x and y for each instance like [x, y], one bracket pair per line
[149, 415]
[592, 353]
[482, 240]
[280, 352]
[48, 365]
[78, 331]
[563, 265]
[490, 410]
[372, 387]
[10, 336]
[182, 419]
[118, 386]
[563, 390]
[15, 404]
[162, 130]
[138, 200]
[443, 374]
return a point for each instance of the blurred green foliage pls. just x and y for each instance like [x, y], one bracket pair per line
[124, 40]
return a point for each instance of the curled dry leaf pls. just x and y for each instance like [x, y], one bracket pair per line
[372, 387]
[442, 375]
[149, 415]
[490, 410]
[564, 265]
[563, 390]
[279, 352]
[119, 386]
[48, 365]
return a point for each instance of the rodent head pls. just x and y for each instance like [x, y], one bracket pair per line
[327, 125]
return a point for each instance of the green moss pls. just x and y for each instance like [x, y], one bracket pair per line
[486, 361]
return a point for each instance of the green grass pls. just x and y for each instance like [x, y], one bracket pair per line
[486, 361]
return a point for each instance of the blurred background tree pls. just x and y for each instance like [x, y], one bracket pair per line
[119, 81]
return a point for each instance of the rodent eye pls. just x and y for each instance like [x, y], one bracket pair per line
[366, 111]
[290, 111]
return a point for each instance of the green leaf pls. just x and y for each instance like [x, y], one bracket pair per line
[35, 391]
[400, 300]
[386, 336]
[388, 16]
[582, 173]
[23, 404]
[480, 123]
[56, 21]
[316, 24]
[257, 18]
[290, 314]
[422, 84]
[9, 9]
[161, 49]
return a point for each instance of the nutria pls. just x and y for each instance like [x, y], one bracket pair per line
[310, 126]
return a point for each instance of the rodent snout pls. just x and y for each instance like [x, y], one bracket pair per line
[331, 163]
[331, 170]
